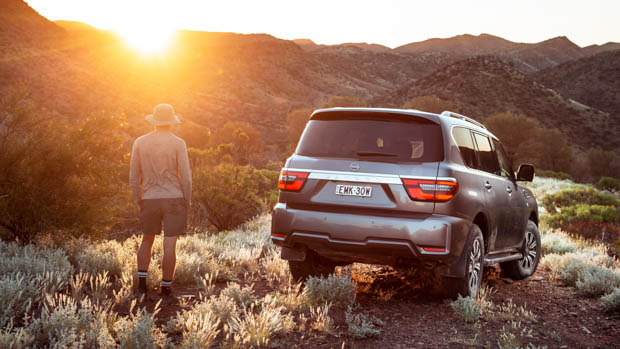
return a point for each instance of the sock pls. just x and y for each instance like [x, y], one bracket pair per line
[165, 286]
[142, 274]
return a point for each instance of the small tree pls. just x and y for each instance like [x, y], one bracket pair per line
[603, 163]
[231, 194]
[555, 152]
[57, 174]
[245, 142]
[431, 104]
[519, 135]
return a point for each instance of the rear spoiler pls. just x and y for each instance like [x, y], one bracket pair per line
[374, 114]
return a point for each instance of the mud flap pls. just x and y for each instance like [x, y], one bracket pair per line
[292, 254]
[456, 269]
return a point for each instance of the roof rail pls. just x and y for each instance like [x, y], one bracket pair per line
[462, 117]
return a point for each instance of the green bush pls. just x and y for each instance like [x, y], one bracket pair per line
[611, 302]
[608, 183]
[56, 173]
[572, 197]
[596, 281]
[228, 195]
[554, 174]
[361, 325]
[337, 290]
[467, 309]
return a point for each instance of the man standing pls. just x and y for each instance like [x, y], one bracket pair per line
[161, 182]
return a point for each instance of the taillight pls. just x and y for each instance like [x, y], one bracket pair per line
[431, 190]
[292, 181]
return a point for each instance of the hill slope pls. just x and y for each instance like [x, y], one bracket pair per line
[594, 81]
[484, 85]
[526, 57]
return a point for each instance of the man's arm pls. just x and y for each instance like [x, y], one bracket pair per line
[185, 173]
[135, 174]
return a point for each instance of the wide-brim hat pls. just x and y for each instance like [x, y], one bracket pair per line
[163, 115]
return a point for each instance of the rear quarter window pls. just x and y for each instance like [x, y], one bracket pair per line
[373, 138]
[462, 137]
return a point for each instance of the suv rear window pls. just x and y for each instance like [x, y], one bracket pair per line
[373, 139]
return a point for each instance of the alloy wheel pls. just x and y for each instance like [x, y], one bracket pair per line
[474, 267]
[530, 252]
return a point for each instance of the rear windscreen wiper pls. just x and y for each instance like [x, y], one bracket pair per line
[374, 153]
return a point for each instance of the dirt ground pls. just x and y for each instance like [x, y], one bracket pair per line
[414, 316]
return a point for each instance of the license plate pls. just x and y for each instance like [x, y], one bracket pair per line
[353, 190]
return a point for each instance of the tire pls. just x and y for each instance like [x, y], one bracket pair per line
[522, 268]
[312, 266]
[469, 285]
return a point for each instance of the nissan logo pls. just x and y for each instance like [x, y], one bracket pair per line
[354, 167]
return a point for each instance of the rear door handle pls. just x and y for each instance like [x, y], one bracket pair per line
[488, 185]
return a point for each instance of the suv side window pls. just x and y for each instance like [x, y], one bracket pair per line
[463, 139]
[504, 164]
[488, 159]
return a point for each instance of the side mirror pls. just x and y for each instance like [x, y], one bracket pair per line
[525, 173]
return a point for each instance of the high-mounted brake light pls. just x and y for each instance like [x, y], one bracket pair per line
[430, 190]
[292, 181]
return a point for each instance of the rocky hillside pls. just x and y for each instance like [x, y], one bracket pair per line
[526, 57]
[484, 85]
[216, 77]
[21, 25]
[593, 81]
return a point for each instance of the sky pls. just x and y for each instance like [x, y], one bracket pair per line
[388, 22]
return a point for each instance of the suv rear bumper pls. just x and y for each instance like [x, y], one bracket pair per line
[435, 240]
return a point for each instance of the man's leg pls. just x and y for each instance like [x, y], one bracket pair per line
[169, 263]
[144, 259]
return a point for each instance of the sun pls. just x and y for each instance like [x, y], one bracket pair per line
[147, 39]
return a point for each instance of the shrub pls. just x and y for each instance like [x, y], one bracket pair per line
[199, 326]
[466, 309]
[580, 196]
[608, 183]
[15, 338]
[242, 139]
[232, 194]
[516, 144]
[138, 330]
[256, 330]
[558, 243]
[322, 322]
[588, 221]
[243, 297]
[337, 290]
[603, 163]
[361, 325]
[514, 335]
[595, 281]
[611, 302]
[107, 255]
[56, 174]
[554, 174]
[65, 322]
[224, 307]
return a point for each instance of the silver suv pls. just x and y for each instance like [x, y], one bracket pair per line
[405, 188]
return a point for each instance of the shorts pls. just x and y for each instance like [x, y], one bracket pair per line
[173, 213]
